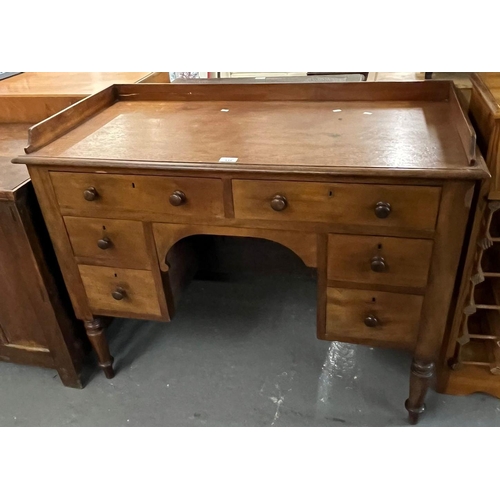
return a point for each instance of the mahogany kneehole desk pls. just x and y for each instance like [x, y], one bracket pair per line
[375, 196]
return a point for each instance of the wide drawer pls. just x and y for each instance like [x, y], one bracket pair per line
[118, 292]
[104, 194]
[379, 260]
[365, 316]
[411, 207]
[119, 243]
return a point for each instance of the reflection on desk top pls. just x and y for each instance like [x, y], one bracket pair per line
[12, 142]
[64, 84]
[406, 128]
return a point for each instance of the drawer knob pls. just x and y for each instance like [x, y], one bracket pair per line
[371, 321]
[119, 294]
[177, 198]
[279, 203]
[90, 194]
[104, 243]
[382, 209]
[378, 264]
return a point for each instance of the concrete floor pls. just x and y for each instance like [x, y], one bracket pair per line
[239, 353]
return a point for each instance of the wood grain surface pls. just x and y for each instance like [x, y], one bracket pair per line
[267, 133]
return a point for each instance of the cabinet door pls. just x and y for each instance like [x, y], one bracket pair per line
[20, 324]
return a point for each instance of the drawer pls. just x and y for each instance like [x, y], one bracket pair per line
[379, 260]
[379, 318]
[412, 207]
[119, 243]
[118, 292]
[103, 195]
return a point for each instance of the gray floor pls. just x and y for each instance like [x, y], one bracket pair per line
[239, 353]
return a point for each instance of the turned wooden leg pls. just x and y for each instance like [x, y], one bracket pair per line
[420, 380]
[95, 333]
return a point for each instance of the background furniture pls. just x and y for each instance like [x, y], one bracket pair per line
[471, 359]
[315, 167]
[275, 79]
[32, 97]
[37, 323]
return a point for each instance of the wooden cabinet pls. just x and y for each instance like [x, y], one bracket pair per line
[37, 322]
[471, 355]
[364, 195]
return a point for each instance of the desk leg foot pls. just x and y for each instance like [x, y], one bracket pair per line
[95, 333]
[420, 380]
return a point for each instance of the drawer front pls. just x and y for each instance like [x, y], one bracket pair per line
[109, 242]
[114, 291]
[412, 207]
[102, 194]
[381, 317]
[379, 260]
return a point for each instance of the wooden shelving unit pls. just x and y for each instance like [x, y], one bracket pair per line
[472, 360]
[478, 343]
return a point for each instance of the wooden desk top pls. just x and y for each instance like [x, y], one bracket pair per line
[12, 142]
[394, 134]
[64, 84]
[274, 126]
[488, 84]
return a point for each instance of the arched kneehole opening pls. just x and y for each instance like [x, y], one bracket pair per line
[230, 258]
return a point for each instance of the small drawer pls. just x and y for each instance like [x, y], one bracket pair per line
[379, 318]
[118, 292]
[408, 207]
[110, 242]
[109, 195]
[379, 260]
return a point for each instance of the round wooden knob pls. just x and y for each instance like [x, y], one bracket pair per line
[104, 243]
[279, 203]
[177, 198]
[378, 264]
[90, 194]
[382, 209]
[119, 294]
[371, 321]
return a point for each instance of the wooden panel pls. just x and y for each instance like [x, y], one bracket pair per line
[29, 356]
[132, 194]
[399, 261]
[488, 85]
[33, 97]
[398, 316]
[448, 244]
[18, 309]
[470, 379]
[60, 240]
[140, 295]
[13, 138]
[36, 318]
[126, 245]
[411, 206]
[23, 109]
[61, 122]
[65, 83]
[350, 91]
[302, 244]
